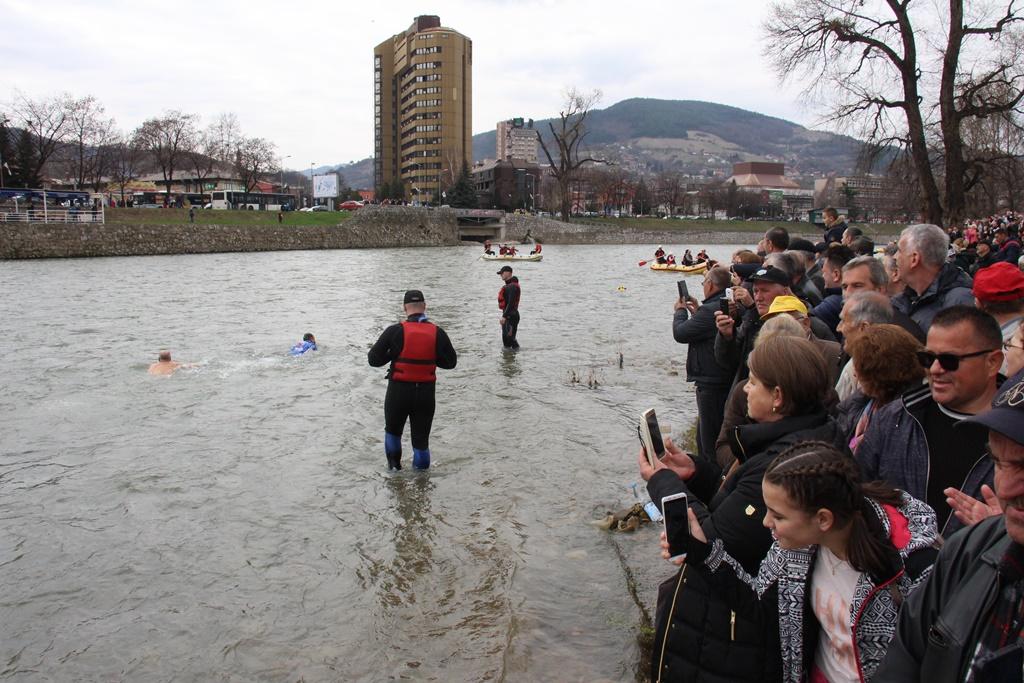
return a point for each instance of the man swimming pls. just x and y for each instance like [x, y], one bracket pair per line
[164, 365]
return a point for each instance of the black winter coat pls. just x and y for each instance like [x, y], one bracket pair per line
[698, 332]
[697, 636]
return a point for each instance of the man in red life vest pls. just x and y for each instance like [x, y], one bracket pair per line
[508, 302]
[415, 348]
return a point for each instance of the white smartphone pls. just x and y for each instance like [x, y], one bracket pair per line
[729, 294]
[650, 436]
[677, 524]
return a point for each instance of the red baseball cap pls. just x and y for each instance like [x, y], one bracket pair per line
[1001, 281]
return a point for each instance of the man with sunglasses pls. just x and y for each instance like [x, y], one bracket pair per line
[911, 443]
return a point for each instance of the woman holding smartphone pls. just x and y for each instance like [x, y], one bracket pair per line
[698, 636]
[846, 554]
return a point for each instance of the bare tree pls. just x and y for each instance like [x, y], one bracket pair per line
[90, 135]
[203, 155]
[864, 60]
[670, 190]
[126, 160]
[254, 158]
[566, 141]
[46, 121]
[165, 138]
[223, 137]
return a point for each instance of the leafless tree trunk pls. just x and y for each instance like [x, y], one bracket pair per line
[566, 142]
[670, 190]
[126, 160]
[254, 158]
[47, 121]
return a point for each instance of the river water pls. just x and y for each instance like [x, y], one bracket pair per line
[236, 521]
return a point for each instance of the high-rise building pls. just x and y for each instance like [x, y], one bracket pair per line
[517, 140]
[423, 108]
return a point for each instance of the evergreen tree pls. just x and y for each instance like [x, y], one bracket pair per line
[462, 195]
[397, 189]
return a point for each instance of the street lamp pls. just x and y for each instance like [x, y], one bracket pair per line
[3, 124]
[311, 197]
[282, 171]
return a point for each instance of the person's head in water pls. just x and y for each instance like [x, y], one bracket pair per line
[164, 357]
[413, 303]
[308, 337]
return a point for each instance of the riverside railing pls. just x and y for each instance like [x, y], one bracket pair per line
[48, 215]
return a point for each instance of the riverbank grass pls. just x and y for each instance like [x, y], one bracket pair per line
[223, 217]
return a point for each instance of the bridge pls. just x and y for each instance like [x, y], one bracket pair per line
[480, 224]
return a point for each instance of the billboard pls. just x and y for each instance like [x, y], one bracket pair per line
[325, 185]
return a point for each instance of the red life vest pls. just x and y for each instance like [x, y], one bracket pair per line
[501, 298]
[417, 362]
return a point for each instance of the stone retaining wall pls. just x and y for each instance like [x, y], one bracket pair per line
[370, 227]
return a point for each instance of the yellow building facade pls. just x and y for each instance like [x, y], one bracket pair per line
[423, 108]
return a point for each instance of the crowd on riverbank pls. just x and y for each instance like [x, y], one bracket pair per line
[855, 412]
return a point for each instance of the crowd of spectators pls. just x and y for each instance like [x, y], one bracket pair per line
[856, 411]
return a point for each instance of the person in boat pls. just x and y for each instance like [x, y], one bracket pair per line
[536, 248]
[165, 366]
[687, 258]
[503, 250]
[511, 250]
[415, 348]
[659, 255]
[487, 248]
[702, 256]
[670, 260]
[308, 343]
[508, 302]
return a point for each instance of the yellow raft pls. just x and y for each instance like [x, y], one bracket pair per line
[698, 269]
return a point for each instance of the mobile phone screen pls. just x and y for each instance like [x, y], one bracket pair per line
[684, 293]
[655, 430]
[677, 526]
[723, 305]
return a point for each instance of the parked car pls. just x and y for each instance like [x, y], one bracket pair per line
[350, 205]
[318, 207]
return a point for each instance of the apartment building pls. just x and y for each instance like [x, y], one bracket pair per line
[423, 108]
[516, 139]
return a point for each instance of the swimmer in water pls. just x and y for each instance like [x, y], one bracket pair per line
[164, 365]
[308, 343]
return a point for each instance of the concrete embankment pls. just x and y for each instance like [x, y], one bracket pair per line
[371, 227]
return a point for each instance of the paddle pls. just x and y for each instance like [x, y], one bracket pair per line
[643, 263]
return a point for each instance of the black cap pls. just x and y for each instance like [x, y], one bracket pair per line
[1006, 415]
[745, 270]
[820, 247]
[413, 296]
[770, 274]
[800, 244]
[505, 269]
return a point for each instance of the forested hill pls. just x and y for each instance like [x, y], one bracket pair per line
[693, 136]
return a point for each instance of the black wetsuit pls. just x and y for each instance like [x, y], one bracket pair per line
[413, 401]
[510, 312]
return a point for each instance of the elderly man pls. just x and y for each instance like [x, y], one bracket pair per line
[867, 274]
[932, 284]
[911, 442]
[694, 325]
[793, 263]
[860, 311]
[812, 269]
[733, 344]
[966, 622]
[775, 240]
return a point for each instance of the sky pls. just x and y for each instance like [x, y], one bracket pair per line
[301, 73]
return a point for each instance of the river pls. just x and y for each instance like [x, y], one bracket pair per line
[236, 521]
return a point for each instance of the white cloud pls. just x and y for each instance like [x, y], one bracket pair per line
[301, 73]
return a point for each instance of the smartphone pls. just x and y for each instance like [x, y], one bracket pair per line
[677, 524]
[650, 436]
[729, 294]
[684, 293]
[723, 305]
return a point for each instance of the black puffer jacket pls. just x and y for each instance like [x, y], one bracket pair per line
[697, 636]
[699, 332]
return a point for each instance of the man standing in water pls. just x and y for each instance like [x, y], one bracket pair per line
[164, 365]
[415, 348]
[508, 302]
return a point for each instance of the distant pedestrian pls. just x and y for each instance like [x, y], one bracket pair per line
[280, 217]
[508, 302]
[191, 214]
[415, 348]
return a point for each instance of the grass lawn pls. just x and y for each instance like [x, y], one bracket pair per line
[226, 217]
[754, 227]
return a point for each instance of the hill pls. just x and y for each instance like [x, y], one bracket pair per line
[701, 137]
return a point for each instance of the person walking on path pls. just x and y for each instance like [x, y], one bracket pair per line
[415, 348]
[508, 302]
[191, 214]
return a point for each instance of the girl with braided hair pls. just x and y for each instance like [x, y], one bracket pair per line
[845, 556]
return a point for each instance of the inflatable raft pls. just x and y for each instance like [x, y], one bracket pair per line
[524, 257]
[698, 269]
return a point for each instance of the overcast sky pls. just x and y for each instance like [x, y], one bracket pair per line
[301, 73]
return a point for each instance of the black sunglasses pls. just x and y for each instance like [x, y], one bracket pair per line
[949, 362]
